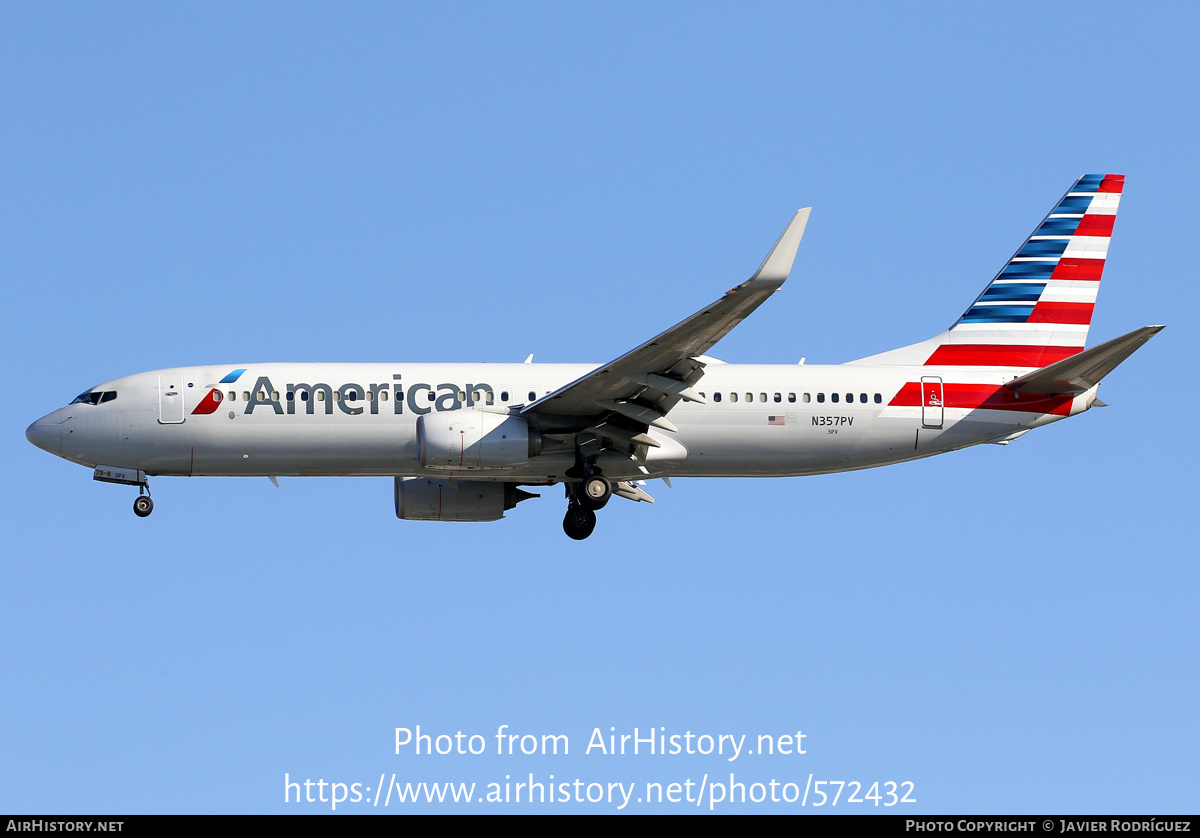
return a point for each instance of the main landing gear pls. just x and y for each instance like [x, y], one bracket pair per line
[583, 499]
[580, 521]
[143, 506]
[596, 491]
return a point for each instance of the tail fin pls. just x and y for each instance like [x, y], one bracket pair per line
[1037, 310]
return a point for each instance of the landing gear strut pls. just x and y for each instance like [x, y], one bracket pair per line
[591, 492]
[143, 506]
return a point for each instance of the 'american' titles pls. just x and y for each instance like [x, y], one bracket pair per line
[354, 399]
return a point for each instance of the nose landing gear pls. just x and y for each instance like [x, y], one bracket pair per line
[142, 505]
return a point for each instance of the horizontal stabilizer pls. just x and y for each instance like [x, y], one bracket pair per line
[1083, 371]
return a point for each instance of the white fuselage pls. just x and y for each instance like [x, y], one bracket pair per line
[361, 419]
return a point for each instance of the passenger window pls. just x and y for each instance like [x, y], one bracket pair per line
[260, 395]
[749, 397]
[274, 395]
[383, 395]
[792, 397]
[716, 397]
[462, 397]
[304, 395]
[762, 397]
[216, 395]
[532, 396]
[733, 397]
[807, 398]
[820, 398]
[849, 398]
[337, 395]
[233, 395]
[291, 395]
[878, 398]
[833, 397]
[320, 395]
[779, 398]
[245, 395]
[503, 395]
[432, 397]
[490, 397]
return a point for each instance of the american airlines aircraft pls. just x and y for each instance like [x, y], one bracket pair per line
[461, 439]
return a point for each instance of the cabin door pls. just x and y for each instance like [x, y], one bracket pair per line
[932, 401]
[170, 398]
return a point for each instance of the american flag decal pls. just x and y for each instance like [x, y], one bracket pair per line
[776, 420]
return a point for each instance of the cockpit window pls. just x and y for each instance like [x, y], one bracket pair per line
[95, 397]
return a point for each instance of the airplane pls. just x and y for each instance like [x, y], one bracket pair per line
[460, 440]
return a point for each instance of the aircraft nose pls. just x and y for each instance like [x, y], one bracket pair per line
[46, 435]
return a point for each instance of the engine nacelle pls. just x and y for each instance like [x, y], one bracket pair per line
[475, 439]
[435, 499]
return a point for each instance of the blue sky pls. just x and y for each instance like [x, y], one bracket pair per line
[1009, 629]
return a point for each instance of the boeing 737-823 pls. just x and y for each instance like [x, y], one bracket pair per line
[461, 439]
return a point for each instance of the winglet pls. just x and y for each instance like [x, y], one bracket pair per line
[778, 264]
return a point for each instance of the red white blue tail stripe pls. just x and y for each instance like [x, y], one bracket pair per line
[1037, 310]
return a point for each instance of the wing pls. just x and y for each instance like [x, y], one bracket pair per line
[616, 403]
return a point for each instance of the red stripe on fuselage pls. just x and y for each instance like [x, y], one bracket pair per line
[998, 355]
[986, 397]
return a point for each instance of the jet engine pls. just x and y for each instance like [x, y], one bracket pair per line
[475, 439]
[435, 499]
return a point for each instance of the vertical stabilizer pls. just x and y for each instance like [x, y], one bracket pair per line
[1037, 310]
